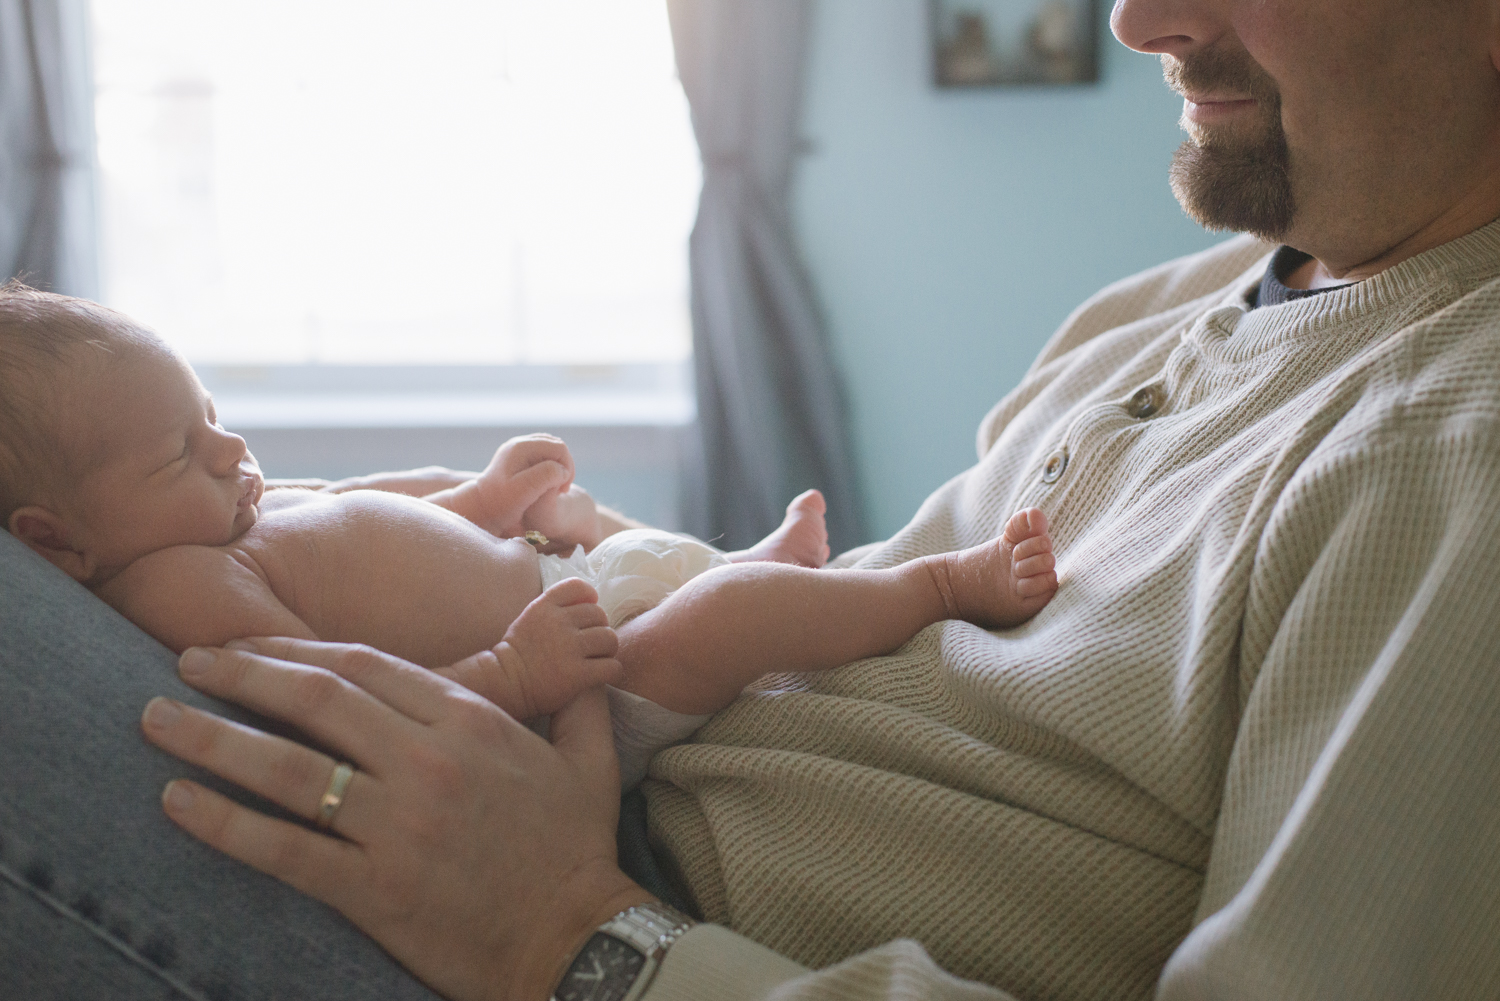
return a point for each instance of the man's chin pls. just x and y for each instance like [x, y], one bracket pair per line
[1243, 188]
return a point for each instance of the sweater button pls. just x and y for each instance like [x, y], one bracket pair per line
[1054, 466]
[1146, 402]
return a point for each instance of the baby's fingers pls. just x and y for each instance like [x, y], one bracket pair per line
[591, 672]
[528, 450]
[535, 482]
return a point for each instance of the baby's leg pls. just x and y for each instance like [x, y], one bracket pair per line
[727, 627]
[802, 538]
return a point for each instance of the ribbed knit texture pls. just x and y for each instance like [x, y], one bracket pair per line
[1265, 701]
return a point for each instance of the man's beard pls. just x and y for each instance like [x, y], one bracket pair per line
[1226, 182]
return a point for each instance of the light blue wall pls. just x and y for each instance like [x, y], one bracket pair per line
[949, 232]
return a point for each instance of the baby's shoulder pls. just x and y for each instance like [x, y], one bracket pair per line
[191, 595]
[180, 571]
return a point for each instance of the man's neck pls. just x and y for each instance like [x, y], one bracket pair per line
[1477, 207]
[1311, 274]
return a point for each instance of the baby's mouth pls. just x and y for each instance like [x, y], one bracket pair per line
[253, 487]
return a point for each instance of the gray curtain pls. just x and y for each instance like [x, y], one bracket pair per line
[771, 419]
[47, 213]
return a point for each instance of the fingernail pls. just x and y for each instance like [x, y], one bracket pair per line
[239, 645]
[177, 797]
[194, 660]
[162, 712]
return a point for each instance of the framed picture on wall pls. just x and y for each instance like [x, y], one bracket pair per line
[1000, 43]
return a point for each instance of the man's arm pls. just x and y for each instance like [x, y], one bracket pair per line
[445, 786]
[712, 961]
[1355, 853]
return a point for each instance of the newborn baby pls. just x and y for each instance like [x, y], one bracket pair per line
[113, 466]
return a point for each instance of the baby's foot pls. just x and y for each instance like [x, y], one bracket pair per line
[1001, 583]
[802, 538]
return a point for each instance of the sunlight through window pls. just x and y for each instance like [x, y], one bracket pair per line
[373, 182]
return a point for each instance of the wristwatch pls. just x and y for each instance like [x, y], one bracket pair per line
[618, 962]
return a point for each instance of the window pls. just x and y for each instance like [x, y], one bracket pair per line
[357, 182]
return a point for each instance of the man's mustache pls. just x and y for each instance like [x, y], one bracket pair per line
[1217, 71]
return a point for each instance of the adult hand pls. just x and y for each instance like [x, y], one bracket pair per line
[476, 853]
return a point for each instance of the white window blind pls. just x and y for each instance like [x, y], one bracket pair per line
[374, 182]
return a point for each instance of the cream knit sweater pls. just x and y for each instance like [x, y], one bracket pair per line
[1250, 750]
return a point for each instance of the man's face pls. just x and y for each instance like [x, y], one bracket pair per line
[1233, 173]
[1334, 125]
[161, 472]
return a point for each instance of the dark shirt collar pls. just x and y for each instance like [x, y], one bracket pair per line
[1273, 290]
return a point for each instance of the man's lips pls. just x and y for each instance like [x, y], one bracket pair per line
[1206, 109]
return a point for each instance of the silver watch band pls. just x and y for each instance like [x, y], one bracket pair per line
[649, 929]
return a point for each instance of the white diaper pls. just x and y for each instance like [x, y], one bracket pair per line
[634, 571]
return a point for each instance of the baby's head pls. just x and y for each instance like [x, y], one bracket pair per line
[109, 446]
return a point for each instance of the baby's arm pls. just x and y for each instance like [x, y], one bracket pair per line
[528, 486]
[411, 482]
[200, 596]
[524, 497]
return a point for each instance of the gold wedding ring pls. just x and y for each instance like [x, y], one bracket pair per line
[333, 796]
[537, 539]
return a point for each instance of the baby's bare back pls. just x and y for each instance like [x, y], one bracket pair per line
[395, 572]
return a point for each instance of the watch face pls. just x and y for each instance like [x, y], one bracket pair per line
[603, 971]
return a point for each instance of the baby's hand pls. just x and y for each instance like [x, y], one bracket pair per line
[558, 647]
[567, 518]
[526, 471]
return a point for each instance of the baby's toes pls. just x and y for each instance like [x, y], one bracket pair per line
[1025, 524]
[585, 615]
[1031, 566]
[598, 641]
[1036, 584]
[568, 592]
[1037, 545]
[808, 502]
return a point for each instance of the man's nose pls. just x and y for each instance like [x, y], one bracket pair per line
[1175, 27]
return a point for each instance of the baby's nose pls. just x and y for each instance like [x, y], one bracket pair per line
[231, 450]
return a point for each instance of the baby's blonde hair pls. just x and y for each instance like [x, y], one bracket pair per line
[38, 332]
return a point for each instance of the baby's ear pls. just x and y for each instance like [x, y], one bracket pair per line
[47, 533]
